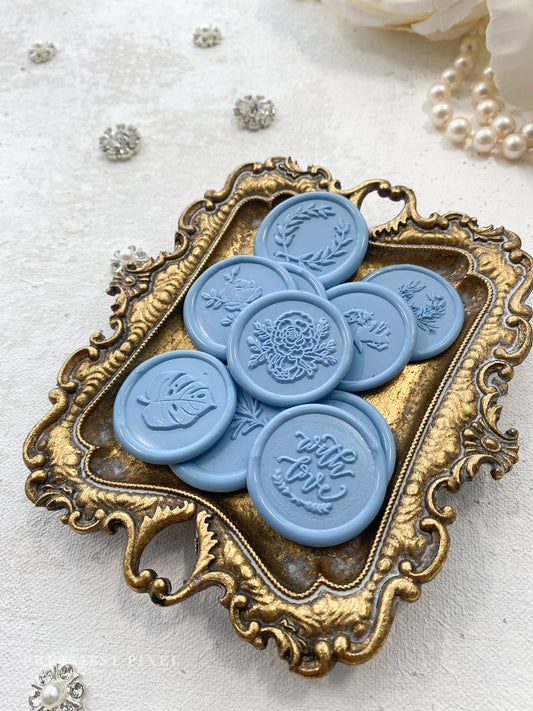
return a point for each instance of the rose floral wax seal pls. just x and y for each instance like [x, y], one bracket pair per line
[289, 348]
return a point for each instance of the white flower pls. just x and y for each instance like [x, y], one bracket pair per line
[435, 19]
[509, 32]
[510, 42]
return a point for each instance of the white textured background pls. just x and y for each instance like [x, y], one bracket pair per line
[351, 101]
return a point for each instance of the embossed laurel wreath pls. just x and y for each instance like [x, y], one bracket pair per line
[319, 606]
[315, 261]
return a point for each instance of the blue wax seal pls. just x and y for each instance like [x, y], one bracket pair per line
[320, 231]
[217, 296]
[289, 348]
[371, 418]
[304, 280]
[317, 475]
[435, 304]
[383, 333]
[174, 406]
[223, 467]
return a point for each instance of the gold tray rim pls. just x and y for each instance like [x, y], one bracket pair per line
[315, 628]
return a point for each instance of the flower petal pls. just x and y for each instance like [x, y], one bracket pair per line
[510, 42]
[452, 21]
[436, 19]
[379, 14]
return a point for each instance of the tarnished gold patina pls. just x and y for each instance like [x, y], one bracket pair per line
[320, 605]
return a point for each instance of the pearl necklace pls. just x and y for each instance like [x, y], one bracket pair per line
[497, 129]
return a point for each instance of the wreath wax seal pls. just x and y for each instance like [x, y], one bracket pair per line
[435, 304]
[174, 406]
[317, 475]
[289, 348]
[322, 232]
[383, 333]
[219, 295]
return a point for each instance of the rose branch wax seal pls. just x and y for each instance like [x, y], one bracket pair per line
[289, 348]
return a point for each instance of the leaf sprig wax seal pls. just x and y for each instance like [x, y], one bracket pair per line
[434, 302]
[223, 467]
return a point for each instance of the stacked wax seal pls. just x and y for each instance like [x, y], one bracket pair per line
[281, 418]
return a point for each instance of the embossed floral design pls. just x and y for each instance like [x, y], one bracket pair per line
[426, 316]
[175, 400]
[370, 332]
[233, 297]
[58, 689]
[292, 347]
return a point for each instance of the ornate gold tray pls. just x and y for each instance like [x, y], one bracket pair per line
[320, 605]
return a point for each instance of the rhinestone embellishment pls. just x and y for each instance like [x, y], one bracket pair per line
[66, 672]
[42, 52]
[254, 112]
[121, 142]
[58, 689]
[207, 36]
[131, 255]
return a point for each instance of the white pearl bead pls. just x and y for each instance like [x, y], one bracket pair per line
[484, 140]
[527, 132]
[452, 76]
[486, 110]
[488, 74]
[441, 113]
[52, 694]
[458, 130]
[439, 93]
[470, 44]
[482, 90]
[503, 125]
[514, 147]
[465, 64]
